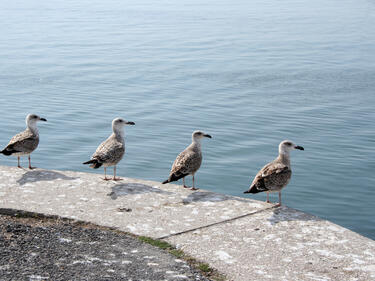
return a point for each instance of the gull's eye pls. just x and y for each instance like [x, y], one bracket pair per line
[288, 143]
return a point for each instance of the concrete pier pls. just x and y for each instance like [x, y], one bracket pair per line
[242, 238]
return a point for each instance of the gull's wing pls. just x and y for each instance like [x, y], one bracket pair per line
[187, 162]
[273, 176]
[25, 142]
[109, 151]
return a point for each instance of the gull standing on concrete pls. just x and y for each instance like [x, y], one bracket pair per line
[111, 151]
[188, 161]
[275, 175]
[25, 142]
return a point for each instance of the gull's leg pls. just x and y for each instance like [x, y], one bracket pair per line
[30, 163]
[18, 158]
[114, 174]
[279, 204]
[193, 188]
[105, 174]
[183, 182]
[268, 197]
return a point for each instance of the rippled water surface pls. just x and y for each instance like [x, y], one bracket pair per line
[250, 73]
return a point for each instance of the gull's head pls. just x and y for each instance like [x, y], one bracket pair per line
[119, 123]
[286, 146]
[31, 119]
[198, 135]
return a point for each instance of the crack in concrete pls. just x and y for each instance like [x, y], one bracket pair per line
[215, 223]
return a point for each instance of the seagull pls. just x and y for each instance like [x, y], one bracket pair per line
[111, 151]
[25, 142]
[275, 175]
[188, 161]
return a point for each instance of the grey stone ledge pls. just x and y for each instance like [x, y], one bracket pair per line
[242, 238]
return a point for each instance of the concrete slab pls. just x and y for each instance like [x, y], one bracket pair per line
[244, 239]
[282, 244]
[138, 206]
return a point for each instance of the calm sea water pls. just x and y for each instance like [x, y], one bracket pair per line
[250, 73]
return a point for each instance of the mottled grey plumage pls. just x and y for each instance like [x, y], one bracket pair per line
[111, 151]
[23, 143]
[188, 161]
[26, 142]
[274, 176]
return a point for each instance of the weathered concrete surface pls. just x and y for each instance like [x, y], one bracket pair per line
[282, 244]
[244, 239]
[156, 210]
[50, 249]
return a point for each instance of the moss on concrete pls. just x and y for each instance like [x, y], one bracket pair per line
[203, 267]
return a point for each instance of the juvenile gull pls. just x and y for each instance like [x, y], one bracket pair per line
[25, 142]
[275, 175]
[188, 161]
[111, 151]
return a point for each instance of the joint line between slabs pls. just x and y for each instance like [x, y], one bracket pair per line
[215, 223]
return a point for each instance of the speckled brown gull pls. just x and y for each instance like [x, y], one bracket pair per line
[111, 151]
[26, 142]
[275, 175]
[188, 161]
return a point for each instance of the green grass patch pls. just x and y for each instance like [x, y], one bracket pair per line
[208, 271]
[177, 253]
[157, 243]
[162, 245]
[204, 267]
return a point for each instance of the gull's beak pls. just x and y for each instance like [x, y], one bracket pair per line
[299, 147]
[130, 123]
[207, 136]
[43, 119]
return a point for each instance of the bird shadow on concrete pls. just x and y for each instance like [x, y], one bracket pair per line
[284, 213]
[133, 188]
[206, 196]
[42, 175]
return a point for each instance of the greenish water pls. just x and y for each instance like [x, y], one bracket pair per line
[249, 74]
